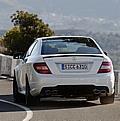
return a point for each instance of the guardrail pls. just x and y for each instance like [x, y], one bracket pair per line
[117, 82]
[7, 65]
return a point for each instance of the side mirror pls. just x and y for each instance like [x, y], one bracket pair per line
[18, 55]
[105, 53]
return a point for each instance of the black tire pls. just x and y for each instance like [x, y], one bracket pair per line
[29, 99]
[18, 97]
[107, 99]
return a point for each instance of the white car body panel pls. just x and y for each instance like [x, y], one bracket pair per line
[58, 77]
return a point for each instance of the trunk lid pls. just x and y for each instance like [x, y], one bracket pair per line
[72, 64]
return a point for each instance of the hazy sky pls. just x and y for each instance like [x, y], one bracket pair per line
[94, 8]
[109, 9]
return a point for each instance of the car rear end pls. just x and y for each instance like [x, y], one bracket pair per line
[72, 67]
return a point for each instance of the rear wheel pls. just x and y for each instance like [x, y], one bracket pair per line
[29, 99]
[18, 97]
[107, 99]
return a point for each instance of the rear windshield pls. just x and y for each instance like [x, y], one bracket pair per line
[69, 46]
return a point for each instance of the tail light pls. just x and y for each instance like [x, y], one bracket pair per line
[105, 67]
[41, 68]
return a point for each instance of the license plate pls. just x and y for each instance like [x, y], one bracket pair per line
[75, 67]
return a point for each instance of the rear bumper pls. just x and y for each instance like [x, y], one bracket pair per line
[74, 91]
[76, 86]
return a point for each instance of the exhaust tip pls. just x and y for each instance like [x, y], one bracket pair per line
[96, 91]
[100, 92]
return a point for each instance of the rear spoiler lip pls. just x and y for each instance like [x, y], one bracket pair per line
[54, 56]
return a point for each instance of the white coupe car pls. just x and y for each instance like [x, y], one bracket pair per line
[64, 66]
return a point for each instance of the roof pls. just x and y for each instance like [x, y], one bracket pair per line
[62, 37]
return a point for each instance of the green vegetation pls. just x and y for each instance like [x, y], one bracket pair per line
[27, 27]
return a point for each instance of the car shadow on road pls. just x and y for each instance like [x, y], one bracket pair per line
[51, 105]
[44, 105]
[5, 106]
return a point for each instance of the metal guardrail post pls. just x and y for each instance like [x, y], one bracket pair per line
[117, 82]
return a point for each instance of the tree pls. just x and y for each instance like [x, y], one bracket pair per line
[13, 40]
[27, 27]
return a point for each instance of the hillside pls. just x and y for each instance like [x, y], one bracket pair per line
[95, 15]
[109, 42]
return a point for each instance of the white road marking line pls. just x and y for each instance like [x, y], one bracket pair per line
[29, 112]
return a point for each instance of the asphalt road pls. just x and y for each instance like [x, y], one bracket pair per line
[55, 110]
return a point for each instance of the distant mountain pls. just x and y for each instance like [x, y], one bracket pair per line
[109, 42]
[85, 23]
[91, 15]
